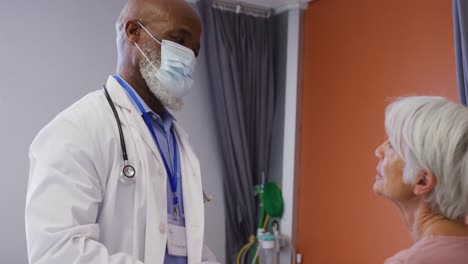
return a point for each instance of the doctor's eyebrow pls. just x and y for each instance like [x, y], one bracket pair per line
[182, 32]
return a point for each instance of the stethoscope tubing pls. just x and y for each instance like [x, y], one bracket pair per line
[128, 170]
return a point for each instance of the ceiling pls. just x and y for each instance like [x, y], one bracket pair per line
[276, 3]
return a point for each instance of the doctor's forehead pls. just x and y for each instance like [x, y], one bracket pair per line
[176, 15]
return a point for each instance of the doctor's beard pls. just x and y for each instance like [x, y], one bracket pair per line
[148, 72]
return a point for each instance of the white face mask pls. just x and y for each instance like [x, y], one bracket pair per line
[177, 66]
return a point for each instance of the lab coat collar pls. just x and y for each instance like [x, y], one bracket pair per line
[118, 95]
[120, 98]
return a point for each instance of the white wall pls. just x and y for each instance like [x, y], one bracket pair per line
[284, 152]
[52, 53]
[277, 142]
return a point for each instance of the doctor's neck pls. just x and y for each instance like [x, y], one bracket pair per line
[139, 85]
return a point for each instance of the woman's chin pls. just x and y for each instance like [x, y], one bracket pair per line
[378, 187]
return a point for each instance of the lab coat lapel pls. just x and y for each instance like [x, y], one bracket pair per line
[120, 98]
[153, 254]
[193, 197]
[191, 183]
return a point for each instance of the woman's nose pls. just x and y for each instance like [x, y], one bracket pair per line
[379, 152]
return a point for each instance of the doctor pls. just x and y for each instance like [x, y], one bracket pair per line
[80, 206]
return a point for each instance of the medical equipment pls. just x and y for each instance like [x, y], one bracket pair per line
[266, 246]
[127, 174]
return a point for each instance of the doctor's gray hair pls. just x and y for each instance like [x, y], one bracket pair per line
[431, 133]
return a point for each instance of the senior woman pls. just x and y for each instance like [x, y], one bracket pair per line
[423, 170]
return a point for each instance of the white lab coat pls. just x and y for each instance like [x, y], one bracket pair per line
[78, 212]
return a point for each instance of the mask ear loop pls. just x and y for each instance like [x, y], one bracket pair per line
[141, 51]
[146, 57]
[143, 27]
[160, 42]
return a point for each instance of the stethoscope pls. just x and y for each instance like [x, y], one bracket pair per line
[127, 174]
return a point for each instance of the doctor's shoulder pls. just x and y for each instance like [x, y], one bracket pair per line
[82, 127]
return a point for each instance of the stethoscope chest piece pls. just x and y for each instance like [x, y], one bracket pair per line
[127, 174]
[128, 171]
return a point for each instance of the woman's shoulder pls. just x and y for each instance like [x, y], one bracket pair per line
[434, 250]
[400, 258]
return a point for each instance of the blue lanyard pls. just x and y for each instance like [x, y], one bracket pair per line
[173, 176]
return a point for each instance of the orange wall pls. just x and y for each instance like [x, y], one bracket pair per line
[358, 54]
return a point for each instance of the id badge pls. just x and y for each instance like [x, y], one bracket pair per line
[177, 241]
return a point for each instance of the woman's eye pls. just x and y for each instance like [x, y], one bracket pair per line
[390, 144]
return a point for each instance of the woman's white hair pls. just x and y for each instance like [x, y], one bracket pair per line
[431, 133]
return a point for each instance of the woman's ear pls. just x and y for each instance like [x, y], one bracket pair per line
[426, 182]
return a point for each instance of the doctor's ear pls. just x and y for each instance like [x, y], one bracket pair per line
[426, 182]
[132, 31]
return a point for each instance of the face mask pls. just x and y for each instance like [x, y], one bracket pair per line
[177, 66]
